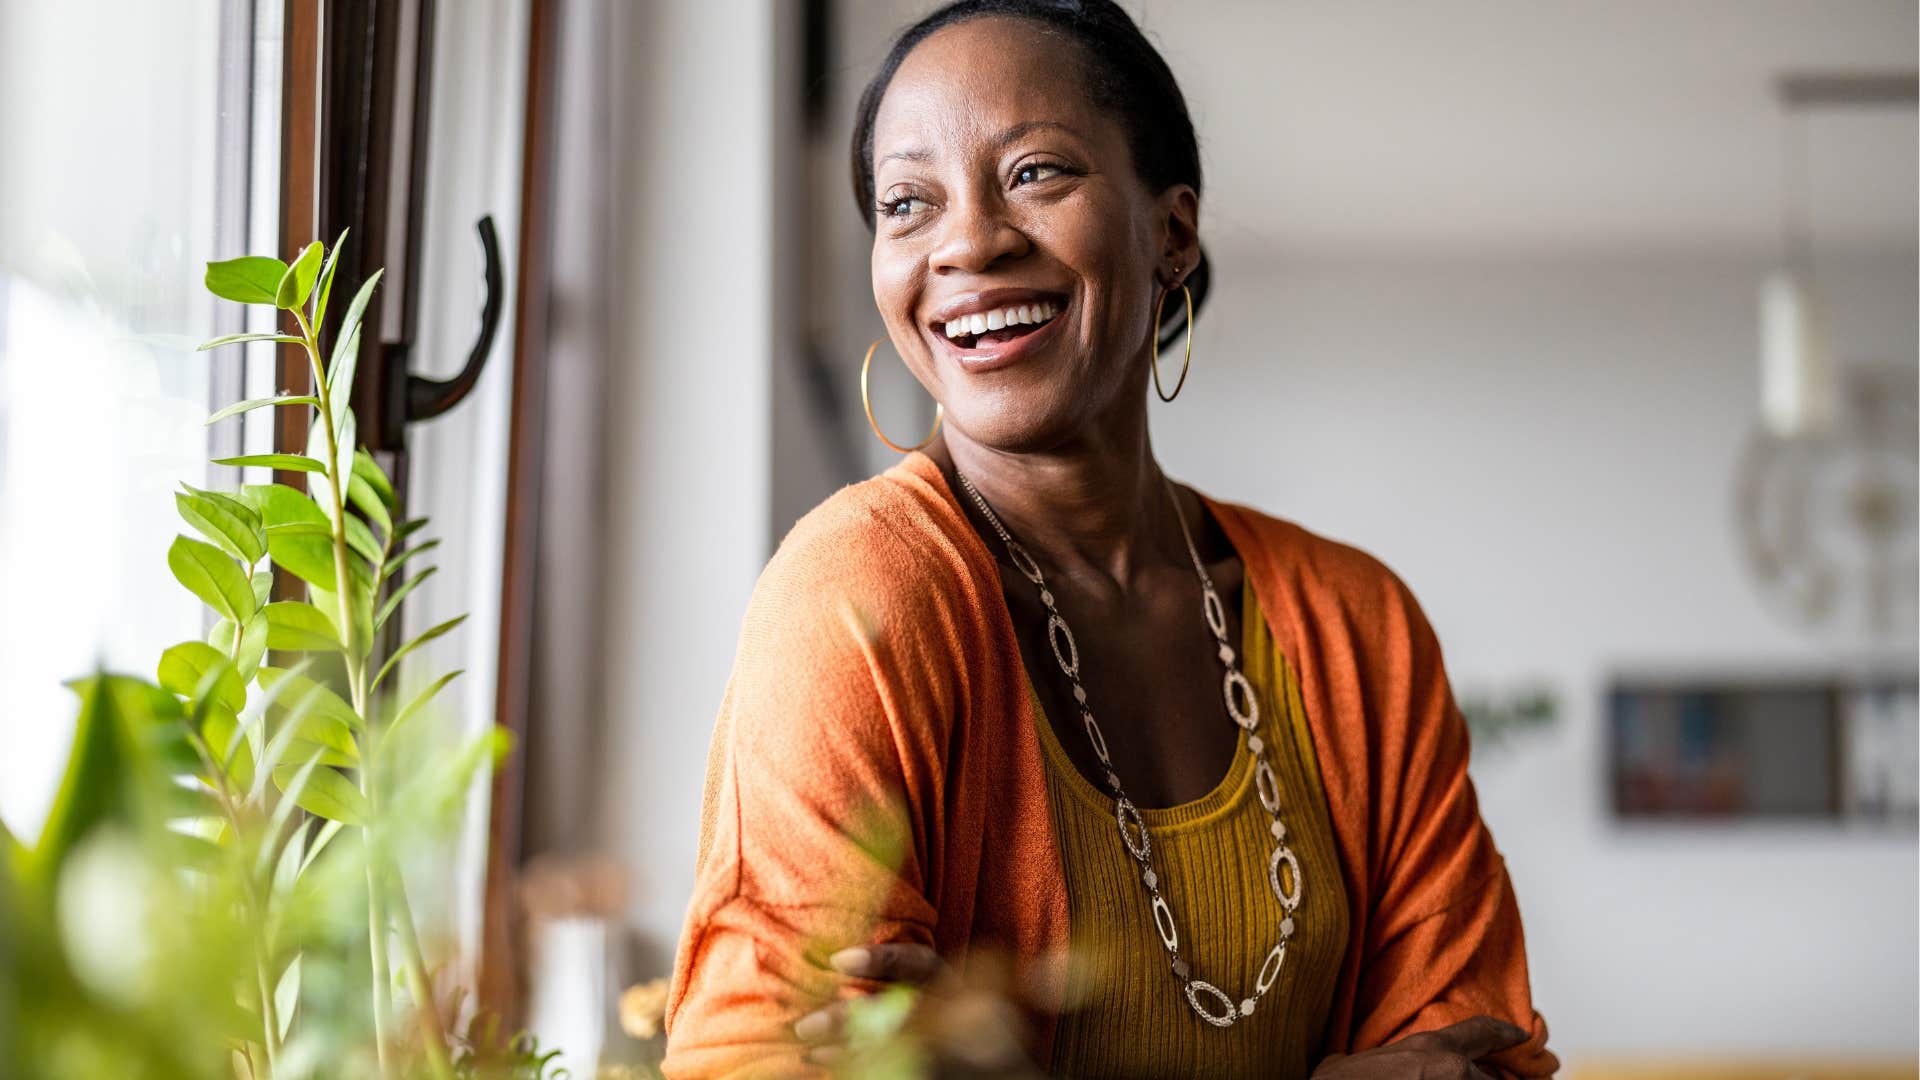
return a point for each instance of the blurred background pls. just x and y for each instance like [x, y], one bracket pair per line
[1596, 321]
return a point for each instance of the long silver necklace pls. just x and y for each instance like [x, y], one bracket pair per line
[1211, 1003]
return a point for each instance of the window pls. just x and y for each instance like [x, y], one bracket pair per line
[114, 193]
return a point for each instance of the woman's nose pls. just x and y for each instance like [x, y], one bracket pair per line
[975, 234]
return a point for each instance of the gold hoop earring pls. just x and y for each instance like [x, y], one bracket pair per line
[1184, 364]
[939, 411]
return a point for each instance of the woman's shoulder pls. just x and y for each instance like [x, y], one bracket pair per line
[1307, 559]
[891, 543]
[1317, 590]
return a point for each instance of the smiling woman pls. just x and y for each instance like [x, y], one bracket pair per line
[956, 677]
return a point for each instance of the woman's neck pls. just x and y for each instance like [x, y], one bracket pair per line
[1097, 508]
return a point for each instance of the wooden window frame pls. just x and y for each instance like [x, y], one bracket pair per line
[342, 146]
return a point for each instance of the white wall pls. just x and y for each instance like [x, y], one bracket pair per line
[1545, 451]
[690, 461]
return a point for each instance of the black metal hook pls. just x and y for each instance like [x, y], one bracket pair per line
[428, 398]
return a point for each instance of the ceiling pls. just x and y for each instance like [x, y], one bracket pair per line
[1523, 125]
[1484, 126]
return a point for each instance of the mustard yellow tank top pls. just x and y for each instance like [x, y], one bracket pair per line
[1126, 1013]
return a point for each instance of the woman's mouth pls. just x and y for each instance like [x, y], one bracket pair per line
[989, 329]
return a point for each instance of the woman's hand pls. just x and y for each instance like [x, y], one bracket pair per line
[1451, 1053]
[966, 1027]
[905, 963]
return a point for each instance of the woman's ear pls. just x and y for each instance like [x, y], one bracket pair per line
[1179, 210]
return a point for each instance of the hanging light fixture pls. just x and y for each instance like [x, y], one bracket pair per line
[1797, 392]
[1827, 496]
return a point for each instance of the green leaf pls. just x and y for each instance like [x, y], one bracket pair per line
[286, 870]
[237, 339]
[408, 528]
[360, 643]
[425, 637]
[232, 525]
[344, 434]
[420, 700]
[220, 730]
[361, 539]
[306, 551]
[319, 448]
[290, 462]
[370, 474]
[393, 601]
[185, 667]
[188, 851]
[287, 992]
[221, 636]
[290, 784]
[340, 377]
[251, 404]
[138, 700]
[400, 560]
[369, 504]
[250, 279]
[252, 728]
[262, 583]
[310, 702]
[102, 784]
[284, 297]
[362, 493]
[320, 841]
[212, 576]
[346, 348]
[306, 270]
[280, 504]
[326, 281]
[235, 506]
[326, 792]
[297, 627]
[253, 647]
[306, 554]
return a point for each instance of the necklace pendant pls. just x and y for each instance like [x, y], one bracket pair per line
[1222, 1016]
[1243, 706]
[1216, 613]
[1069, 658]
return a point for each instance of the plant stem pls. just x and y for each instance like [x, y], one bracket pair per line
[432, 1035]
[382, 976]
[269, 1014]
[337, 519]
[356, 685]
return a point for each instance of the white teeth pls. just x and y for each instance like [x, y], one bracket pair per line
[1001, 318]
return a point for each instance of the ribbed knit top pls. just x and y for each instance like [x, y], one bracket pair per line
[1127, 1015]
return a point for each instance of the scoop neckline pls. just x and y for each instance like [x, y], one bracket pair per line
[1219, 800]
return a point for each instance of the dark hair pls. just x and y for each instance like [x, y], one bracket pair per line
[1125, 75]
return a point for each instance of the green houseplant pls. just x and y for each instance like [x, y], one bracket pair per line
[217, 890]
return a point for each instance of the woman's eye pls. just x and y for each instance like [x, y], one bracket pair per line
[904, 206]
[1029, 174]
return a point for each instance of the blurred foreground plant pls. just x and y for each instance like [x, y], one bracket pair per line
[217, 890]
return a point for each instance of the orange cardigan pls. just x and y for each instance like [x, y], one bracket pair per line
[874, 776]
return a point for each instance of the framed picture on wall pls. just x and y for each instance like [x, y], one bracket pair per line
[1728, 749]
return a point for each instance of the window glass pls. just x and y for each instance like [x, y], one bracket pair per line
[117, 185]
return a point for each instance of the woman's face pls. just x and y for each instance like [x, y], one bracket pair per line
[1017, 255]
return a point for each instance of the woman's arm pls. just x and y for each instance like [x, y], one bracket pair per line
[824, 755]
[1443, 942]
